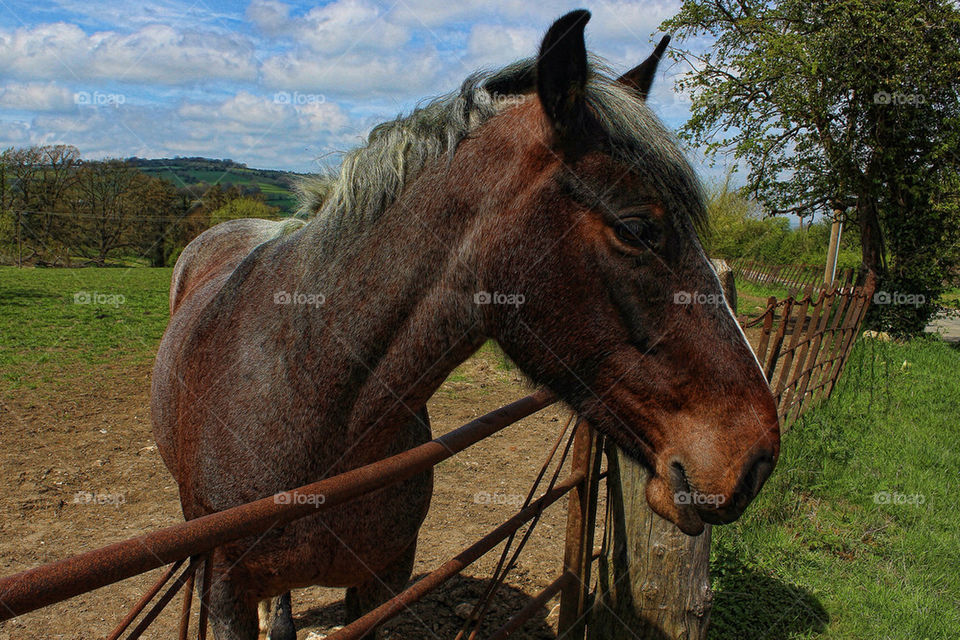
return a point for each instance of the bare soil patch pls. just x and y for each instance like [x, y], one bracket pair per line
[80, 471]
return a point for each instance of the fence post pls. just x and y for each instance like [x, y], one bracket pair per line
[653, 581]
[581, 522]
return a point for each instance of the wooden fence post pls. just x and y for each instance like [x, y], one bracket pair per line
[581, 521]
[653, 580]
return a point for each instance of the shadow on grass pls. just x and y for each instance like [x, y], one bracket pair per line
[749, 604]
[14, 295]
[435, 616]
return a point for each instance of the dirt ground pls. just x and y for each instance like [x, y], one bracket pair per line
[80, 470]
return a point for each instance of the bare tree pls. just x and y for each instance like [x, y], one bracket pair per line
[104, 208]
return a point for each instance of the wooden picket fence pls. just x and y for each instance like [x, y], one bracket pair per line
[805, 339]
[795, 276]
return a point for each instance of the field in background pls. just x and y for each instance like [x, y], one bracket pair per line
[275, 185]
[855, 535]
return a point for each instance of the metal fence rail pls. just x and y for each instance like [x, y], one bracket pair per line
[195, 539]
[803, 344]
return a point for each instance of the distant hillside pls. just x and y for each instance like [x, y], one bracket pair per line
[276, 186]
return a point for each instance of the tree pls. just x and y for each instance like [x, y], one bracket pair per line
[105, 208]
[243, 207]
[36, 180]
[53, 179]
[844, 108]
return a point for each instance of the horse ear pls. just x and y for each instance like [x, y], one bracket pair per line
[562, 72]
[641, 76]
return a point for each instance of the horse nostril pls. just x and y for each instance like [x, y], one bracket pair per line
[753, 478]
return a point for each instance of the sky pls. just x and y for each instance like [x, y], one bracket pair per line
[278, 85]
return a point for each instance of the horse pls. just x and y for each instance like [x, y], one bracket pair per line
[542, 206]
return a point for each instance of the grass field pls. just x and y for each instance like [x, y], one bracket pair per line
[275, 185]
[855, 535]
[52, 319]
[752, 297]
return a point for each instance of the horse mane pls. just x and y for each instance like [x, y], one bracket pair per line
[371, 177]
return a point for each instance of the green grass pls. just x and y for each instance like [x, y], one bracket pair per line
[751, 295]
[274, 184]
[819, 554]
[951, 298]
[44, 328]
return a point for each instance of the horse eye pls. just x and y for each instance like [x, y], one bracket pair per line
[638, 232]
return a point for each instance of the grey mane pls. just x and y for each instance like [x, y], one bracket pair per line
[372, 176]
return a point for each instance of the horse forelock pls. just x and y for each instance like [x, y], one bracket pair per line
[371, 177]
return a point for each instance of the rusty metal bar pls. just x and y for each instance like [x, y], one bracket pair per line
[58, 581]
[530, 609]
[205, 596]
[581, 522]
[162, 602]
[144, 601]
[185, 611]
[798, 327]
[506, 561]
[768, 317]
[425, 585]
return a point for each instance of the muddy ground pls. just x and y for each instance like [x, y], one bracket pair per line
[80, 471]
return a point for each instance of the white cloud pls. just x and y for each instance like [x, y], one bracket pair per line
[335, 28]
[154, 53]
[499, 45]
[243, 112]
[37, 96]
[367, 75]
[270, 16]
[337, 69]
[257, 130]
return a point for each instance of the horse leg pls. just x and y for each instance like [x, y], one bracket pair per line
[379, 588]
[276, 618]
[233, 615]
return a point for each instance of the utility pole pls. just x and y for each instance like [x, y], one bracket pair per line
[833, 251]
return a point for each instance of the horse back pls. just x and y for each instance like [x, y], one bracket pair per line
[216, 252]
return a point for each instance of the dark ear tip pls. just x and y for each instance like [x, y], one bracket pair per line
[577, 18]
[664, 41]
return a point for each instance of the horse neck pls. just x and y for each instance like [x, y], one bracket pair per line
[398, 314]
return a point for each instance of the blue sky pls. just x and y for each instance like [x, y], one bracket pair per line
[272, 84]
